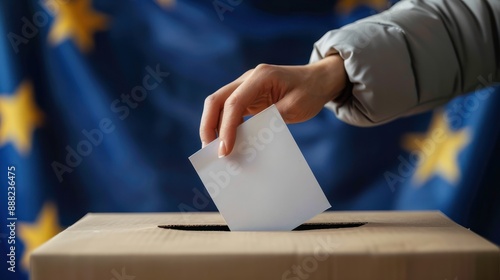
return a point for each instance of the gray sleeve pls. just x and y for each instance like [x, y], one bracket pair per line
[413, 57]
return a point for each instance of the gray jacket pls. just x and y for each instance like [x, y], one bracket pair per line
[413, 57]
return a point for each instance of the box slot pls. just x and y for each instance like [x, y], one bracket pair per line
[303, 227]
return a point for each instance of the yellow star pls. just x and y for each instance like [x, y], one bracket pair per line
[34, 235]
[19, 116]
[76, 19]
[438, 150]
[346, 6]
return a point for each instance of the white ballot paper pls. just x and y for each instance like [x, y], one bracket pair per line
[265, 184]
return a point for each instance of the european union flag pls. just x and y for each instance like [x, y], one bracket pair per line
[100, 104]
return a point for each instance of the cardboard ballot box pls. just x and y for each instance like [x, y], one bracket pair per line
[334, 245]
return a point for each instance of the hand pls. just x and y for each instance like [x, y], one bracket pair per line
[299, 93]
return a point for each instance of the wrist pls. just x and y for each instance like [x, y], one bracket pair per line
[330, 74]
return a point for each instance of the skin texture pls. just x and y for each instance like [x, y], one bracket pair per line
[299, 93]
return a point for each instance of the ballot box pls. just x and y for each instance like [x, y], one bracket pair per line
[333, 245]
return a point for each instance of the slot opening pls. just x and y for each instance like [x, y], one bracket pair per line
[303, 227]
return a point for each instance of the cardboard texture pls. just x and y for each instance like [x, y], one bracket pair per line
[366, 245]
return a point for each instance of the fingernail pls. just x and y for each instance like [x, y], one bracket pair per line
[203, 144]
[222, 149]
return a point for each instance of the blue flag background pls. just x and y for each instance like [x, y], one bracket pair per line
[100, 103]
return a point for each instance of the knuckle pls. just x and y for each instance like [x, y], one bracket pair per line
[267, 72]
[203, 130]
[263, 67]
[233, 108]
[247, 73]
[204, 136]
[211, 99]
[232, 103]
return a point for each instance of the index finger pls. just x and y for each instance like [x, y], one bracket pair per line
[235, 107]
[212, 109]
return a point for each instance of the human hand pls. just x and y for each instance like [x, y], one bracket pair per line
[299, 93]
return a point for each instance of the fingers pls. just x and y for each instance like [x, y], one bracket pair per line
[212, 111]
[236, 106]
[232, 118]
[224, 110]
